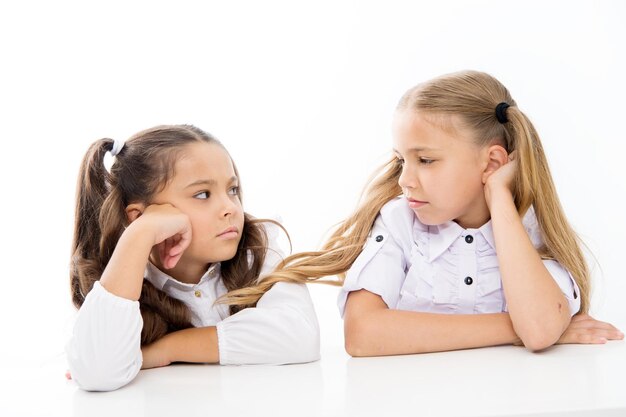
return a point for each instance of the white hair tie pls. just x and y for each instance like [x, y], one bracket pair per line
[117, 147]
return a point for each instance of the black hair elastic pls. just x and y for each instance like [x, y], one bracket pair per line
[501, 112]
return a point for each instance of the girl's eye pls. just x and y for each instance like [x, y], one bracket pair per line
[202, 196]
[234, 191]
[426, 161]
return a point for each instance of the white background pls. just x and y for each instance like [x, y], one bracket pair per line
[301, 93]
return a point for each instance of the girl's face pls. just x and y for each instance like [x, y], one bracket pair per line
[442, 171]
[204, 187]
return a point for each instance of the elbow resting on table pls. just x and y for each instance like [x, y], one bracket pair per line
[97, 371]
[537, 344]
[358, 337]
[540, 336]
[98, 378]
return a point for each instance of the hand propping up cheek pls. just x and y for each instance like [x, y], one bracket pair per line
[172, 231]
[501, 179]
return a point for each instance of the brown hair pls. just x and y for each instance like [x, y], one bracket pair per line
[472, 97]
[142, 168]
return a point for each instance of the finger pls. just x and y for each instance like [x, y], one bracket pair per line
[167, 261]
[582, 338]
[176, 247]
[173, 260]
[161, 251]
[593, 335]
[591, 339]
[588, 318]
[607, 334]
[593, 324]
[183, 242]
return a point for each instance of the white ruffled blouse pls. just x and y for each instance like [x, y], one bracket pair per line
[438, 269]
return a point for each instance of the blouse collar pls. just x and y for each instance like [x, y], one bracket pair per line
[160, 279]
[442, 236]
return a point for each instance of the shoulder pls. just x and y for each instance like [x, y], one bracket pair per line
[395, 222]
[398, 219]
[397, 212]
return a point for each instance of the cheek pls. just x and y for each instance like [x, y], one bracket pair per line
[456, 182]
[238, 217]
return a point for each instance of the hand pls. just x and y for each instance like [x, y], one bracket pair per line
[172, 231]
[154, 355]
[587, 330]
[501, 179]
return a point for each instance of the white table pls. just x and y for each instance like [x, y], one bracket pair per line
[573, 380]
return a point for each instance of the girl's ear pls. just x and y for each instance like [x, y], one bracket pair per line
[496, 157]
[134, 210]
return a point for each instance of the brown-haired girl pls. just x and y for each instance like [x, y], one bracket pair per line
[460, 241]
[157, 241]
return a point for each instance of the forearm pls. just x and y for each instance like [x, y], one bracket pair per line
[123, 275]
[194, 345]
[538, 309]
[381, 331]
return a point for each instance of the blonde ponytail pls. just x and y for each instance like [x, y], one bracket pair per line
[534, 186]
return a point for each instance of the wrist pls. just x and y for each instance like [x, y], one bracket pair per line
[496, 194]
[166, 350]
[163, 350]
[140, 233]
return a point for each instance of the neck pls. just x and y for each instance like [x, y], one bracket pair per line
[475, 217]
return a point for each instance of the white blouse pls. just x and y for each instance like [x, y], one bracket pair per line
[104, 352]
[438, 269]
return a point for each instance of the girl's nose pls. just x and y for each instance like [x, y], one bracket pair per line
[406, 180]
[229, 206]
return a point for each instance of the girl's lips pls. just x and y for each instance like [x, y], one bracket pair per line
[229, 233]
[415, 204]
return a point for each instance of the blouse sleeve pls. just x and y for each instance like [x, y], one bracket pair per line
[380, 268]
[567, 284]
[104, 352]
[560, 275]
[281, 329]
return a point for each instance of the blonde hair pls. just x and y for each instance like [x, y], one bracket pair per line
[472, 98]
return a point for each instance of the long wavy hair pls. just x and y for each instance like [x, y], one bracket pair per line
[142, 168]
[472, 97]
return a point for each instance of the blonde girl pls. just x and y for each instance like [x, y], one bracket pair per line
[460, 240]
[157, 241]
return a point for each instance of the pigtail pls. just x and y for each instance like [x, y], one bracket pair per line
[161, 314]
[86, 263]
[534, 186]
[100, 221]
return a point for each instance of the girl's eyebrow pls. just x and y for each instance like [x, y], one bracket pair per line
[210, 182]
[422, 149]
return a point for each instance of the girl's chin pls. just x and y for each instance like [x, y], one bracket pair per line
[428, 220]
